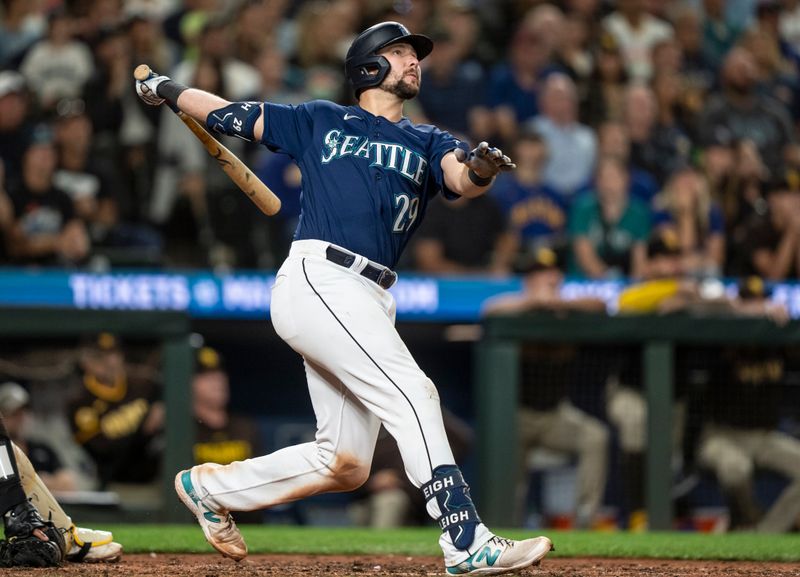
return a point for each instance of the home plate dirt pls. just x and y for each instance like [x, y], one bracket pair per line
[211, 565]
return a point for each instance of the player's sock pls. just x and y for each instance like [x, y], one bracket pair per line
[449, 502]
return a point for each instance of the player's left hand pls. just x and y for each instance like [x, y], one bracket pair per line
[484, 160]
[148, 90]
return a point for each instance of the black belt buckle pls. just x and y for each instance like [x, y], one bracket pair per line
[386, 278]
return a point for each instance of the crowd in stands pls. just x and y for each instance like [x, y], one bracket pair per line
[624, 118]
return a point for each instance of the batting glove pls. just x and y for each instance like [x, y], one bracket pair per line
[485, 161]
[148, 89]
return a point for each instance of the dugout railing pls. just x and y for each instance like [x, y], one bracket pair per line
[172, 330]
[498, 376]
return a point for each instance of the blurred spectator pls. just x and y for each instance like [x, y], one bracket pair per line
[612, 140]
[743, 406]
[736, 178]
[536, 214]
[697, 71]
[777, 69]
[15, 122]
[789, 23]
[20, 26]
[15, 410]
[609, 229]
[46, 229]
[220, 436]
[116, 416]
[104, 94]
[572, 146]
[772, 245]
[214, 45]
[89, 184]
[720, 33]
[280, 82]
[574, 54]
[464, 236]
[250, 29]
[514, 83]
[460, 22]
[135, 125]
[194, 201]
[94, 188]
[324, 32]
[546, 417]
[637, 32]
[58, 65]
[686, 208]
[605, 93]
[454, 91]
[656, 148]
[741, 112]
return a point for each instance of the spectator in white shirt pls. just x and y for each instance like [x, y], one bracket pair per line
[636, 32]
[572, 145]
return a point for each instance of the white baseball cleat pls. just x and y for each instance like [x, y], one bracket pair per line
[498, 555]
[219, 528]
[92, 546]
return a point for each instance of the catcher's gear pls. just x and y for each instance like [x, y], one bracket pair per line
[92, 546]
[485, 161]
[22, 548]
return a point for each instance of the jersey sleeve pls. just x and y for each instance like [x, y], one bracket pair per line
[288, 128]
[442, 143]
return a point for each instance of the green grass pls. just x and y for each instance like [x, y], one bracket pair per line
[327, 540]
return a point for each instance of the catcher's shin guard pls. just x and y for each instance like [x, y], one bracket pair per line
[11, 493]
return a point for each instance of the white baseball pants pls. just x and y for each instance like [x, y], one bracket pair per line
[360, 374]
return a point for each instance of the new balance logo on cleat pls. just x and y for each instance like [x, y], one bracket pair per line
[498, 556]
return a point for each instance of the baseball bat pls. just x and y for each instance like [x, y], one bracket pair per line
[258, 192]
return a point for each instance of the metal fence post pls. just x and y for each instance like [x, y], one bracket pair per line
[180, 431]
[657, 366]
[496, 399]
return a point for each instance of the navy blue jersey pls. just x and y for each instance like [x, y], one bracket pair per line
[366, 180]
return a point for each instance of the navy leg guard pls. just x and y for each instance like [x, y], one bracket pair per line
[458, 514]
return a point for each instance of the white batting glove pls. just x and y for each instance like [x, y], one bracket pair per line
[147, 90]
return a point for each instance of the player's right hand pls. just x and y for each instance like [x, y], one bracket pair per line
[148, 89]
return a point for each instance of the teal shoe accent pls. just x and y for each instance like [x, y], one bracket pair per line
[186, 480]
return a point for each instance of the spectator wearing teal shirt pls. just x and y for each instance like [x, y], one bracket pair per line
[609, 228]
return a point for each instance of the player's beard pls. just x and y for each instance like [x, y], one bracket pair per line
[400, 88]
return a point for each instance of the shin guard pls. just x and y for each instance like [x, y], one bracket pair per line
[448, 499]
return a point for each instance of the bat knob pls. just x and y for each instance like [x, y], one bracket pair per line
[142, 72]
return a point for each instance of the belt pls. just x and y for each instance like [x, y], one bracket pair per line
[382, 276]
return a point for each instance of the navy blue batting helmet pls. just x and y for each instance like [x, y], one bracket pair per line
[363, 66]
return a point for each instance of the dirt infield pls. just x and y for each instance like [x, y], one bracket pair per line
[395, 566]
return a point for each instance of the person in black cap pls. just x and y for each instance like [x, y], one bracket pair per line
[116, 416]
[546, 417]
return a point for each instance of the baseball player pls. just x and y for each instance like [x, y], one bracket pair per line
[25, 503]
[368, 174]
